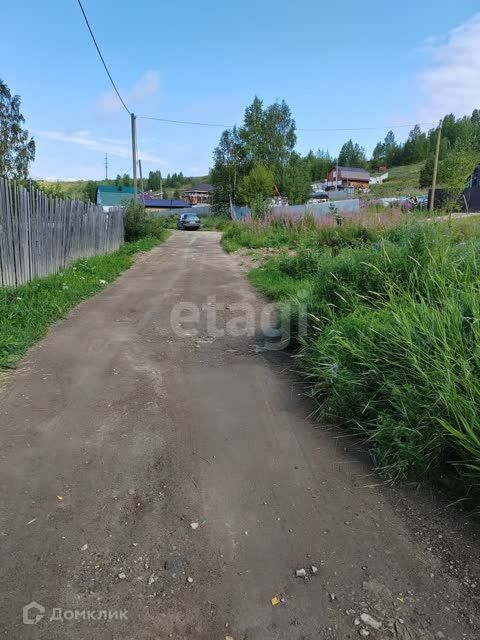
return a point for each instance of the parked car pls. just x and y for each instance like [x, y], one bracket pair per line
[188, 221]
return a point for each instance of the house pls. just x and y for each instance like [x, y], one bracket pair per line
[157, 204]
[347, 177]
[113, 196]
[199, 194]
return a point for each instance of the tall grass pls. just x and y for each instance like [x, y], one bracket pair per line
[290, 230]
[393, 347]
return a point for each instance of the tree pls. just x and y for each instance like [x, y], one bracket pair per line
[386, 152]
[390, 148]
[268, 134]
[176, 194]
[257, 189]
[352, 155]
[90, 191]
[154, 182]
[456, 168]
[426, 173]
[17, 149]
[126, 180]
[378, 155]
[267, 138]
[296, 183]
[318, 164]
[228, 169]
[415, 148]
[52, 189]
[118, 180]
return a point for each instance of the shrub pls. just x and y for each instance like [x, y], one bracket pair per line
[139, 224]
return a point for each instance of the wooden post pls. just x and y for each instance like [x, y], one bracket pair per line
[141, 181]
[134, 156]
[435, 168]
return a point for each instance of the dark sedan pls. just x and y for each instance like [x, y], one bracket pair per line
[188, 221]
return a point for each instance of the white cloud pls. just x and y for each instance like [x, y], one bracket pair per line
[116, 147]
[451, 81]
[146, 86]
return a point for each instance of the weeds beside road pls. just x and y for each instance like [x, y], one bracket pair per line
[392, 349]
[27, 311]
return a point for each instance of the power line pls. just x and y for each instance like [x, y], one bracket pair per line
[199, 124]
[211, 124]
[395, 126]
[101, 58]
[325, 129]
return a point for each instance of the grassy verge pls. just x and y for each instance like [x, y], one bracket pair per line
[289, 233]
[27, 311]
[393, 344]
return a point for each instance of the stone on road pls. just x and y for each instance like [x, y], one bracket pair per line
[190, 465]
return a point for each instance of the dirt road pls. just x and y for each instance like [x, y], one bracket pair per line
[153, 472]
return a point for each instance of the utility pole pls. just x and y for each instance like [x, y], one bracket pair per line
[336, 177]
[134, 155]
[106, 166]
[161, 188]
[435, 168]
[141, 181]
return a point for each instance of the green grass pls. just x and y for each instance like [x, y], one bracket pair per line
[267, 281]
[392, 350]
[290, 234]
[214, 223]
[67, 188]
[27, 311]
[402, 181]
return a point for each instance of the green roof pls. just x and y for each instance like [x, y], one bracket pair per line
[111, 196]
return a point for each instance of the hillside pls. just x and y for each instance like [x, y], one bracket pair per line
[402, 181]
[75, 189]
[69, 189]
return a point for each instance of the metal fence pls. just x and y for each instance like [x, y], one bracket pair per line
[203, 210]
[350, 207]
[319, 210]
[40, 235]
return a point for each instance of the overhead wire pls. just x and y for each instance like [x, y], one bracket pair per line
[393, 126]
[323, 129]
[217, 125]
[214, 124]
[200, 124]
[102, 58]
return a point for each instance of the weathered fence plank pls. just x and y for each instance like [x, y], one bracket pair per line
[40, 235]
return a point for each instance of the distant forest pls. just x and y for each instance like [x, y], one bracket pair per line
[458, 134]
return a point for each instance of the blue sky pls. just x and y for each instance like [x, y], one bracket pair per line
[370, 64]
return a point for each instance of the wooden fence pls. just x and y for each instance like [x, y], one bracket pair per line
[41, 235]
